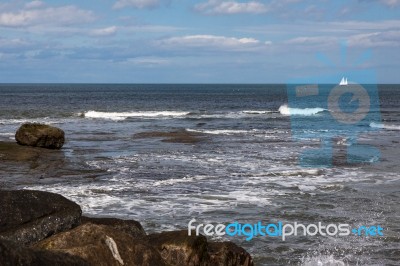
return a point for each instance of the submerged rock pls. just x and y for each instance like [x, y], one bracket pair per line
[12, 254]
[181, 136]
[39, 135]
[103, 245]
[28, 216]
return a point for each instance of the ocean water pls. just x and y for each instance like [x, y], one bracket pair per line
[247, 169]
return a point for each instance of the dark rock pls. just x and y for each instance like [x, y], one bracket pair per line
[228, 254]
[130, 227]
[38, 135]
[181, 136]
[28, 216]
[177, 248]
[12, 254]
[103, 245]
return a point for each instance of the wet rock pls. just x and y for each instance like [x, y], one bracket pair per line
[28, 216]
[228, 254]
[181, 136]
[12, 254]
[131, 227]
[31, 165]
[177, 248]
[103, 245]
[39, 135]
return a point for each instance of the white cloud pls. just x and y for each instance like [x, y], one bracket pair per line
[64, 15]
[137, 3]
[13, 43]
[212, 42]
[108, 31]
[312, 40]
[376, 39]
[390, 3]
[148, 61]
[231, 7]
[34, 4]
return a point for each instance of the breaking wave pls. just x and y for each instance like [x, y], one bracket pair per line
[285, 110]
[124, 115]
[384, 126]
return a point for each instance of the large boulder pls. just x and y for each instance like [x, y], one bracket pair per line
[39, 135]
[103, 245]
[130, 227]
[28, 216]
[12, 254]
[177, 248]
[228, 254]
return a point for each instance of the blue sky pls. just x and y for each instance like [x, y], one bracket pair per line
[203, 41]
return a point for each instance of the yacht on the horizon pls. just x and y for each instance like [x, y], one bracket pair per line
[344, 82]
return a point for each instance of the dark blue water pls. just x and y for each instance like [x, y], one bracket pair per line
[250, 166]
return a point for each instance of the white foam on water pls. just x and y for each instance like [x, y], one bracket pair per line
[384, 126]
[258, 112]
[45, 120]
[233, 115]
[174, 181]
[223, 131]
[306, 188]
[6, 134]
[118, 116]
[286, 110]
[323, 260]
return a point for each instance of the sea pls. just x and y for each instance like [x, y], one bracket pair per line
[262, 157]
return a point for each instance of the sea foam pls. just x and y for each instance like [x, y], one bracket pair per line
[285, 110]
[384, 126]
[124, 115]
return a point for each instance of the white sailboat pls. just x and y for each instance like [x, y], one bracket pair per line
[344, 82]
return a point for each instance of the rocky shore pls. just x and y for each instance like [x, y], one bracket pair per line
[42, 228]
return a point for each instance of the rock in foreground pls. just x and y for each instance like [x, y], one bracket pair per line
[39, 135]
[12, 255]
[130, 227]
[103, 245]
[54, 233]
[28, 216]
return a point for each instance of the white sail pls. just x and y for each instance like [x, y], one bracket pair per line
[343, 82]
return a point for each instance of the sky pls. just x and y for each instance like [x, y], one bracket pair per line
[203, 41]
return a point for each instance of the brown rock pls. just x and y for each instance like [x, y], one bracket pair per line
[103, 245]
[177, 248]
[39, 135]
[29, 216]
[228, 254]
[12, 254]
[130, 227]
